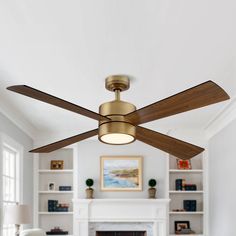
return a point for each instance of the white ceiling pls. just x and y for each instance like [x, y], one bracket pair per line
[67, 48]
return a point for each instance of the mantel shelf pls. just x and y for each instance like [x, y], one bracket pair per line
[55, 171]
[186, 192]
[122, 200]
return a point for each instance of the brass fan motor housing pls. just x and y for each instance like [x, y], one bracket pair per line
[115, 110]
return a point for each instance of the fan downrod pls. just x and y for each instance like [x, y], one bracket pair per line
[117, 83]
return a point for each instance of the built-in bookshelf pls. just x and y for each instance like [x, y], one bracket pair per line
[196, 175]
[63, 177]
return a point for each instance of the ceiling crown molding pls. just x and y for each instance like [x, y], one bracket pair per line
[18, 120]
[222, 119]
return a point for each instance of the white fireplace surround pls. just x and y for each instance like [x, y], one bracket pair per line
[109, 213]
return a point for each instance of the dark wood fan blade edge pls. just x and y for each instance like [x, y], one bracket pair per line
[50, 99]
[196, 97]
[173, 146]
[65, 142]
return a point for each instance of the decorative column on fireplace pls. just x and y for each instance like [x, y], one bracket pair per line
[148, 217]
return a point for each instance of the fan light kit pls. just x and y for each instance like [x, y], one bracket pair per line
[118, 121]
[117, 130]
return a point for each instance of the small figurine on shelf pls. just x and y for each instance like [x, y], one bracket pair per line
[89, 190]
[51, 186]
[152, 190]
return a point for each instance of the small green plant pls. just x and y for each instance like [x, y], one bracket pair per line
[152, 183]
[89, 182]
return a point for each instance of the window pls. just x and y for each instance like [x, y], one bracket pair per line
[10, 181]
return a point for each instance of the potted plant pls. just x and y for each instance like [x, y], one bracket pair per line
[89, 190]
[152, 190]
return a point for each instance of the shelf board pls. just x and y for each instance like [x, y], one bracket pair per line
[61, 234]
[185, 192]
[186, 234]
[186, 212]
[56, 192]
[186, 171]
[56, 171]
[55, 213]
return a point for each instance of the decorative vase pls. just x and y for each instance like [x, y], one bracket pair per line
[89, 193]
[152, 192]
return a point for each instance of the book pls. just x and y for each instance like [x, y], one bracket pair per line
[190, 187]
[190, 205]
[65, 188]
[178, 185]
[52, 205]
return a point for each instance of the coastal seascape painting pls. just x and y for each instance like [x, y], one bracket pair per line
[121, 173]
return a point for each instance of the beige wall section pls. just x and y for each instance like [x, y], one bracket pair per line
[154, 166]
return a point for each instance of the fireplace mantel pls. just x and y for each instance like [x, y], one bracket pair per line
[121, 210]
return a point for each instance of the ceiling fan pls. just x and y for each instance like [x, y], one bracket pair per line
[118, 121]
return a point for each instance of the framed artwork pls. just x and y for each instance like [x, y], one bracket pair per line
[179, 225]
[51, 186]
[121, 173]
[57, 165]
[184, 164]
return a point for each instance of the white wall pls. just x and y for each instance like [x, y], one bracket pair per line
[11, 130]
[222, 187]
[154, 166]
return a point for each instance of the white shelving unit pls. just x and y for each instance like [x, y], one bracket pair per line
[55, 192]
[197, 175]
[44, 175]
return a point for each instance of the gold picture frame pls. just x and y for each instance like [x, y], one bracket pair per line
[57, 165]
[121, 173]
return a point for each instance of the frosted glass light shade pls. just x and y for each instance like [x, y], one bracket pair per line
[117, 132]
[16, 214]
[117, 138]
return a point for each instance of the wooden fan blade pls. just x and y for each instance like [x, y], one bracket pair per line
[65, 142]
[173, 146]
[47, 98]
[202, 95]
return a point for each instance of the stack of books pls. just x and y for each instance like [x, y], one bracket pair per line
[54, 206]
[180, 185]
